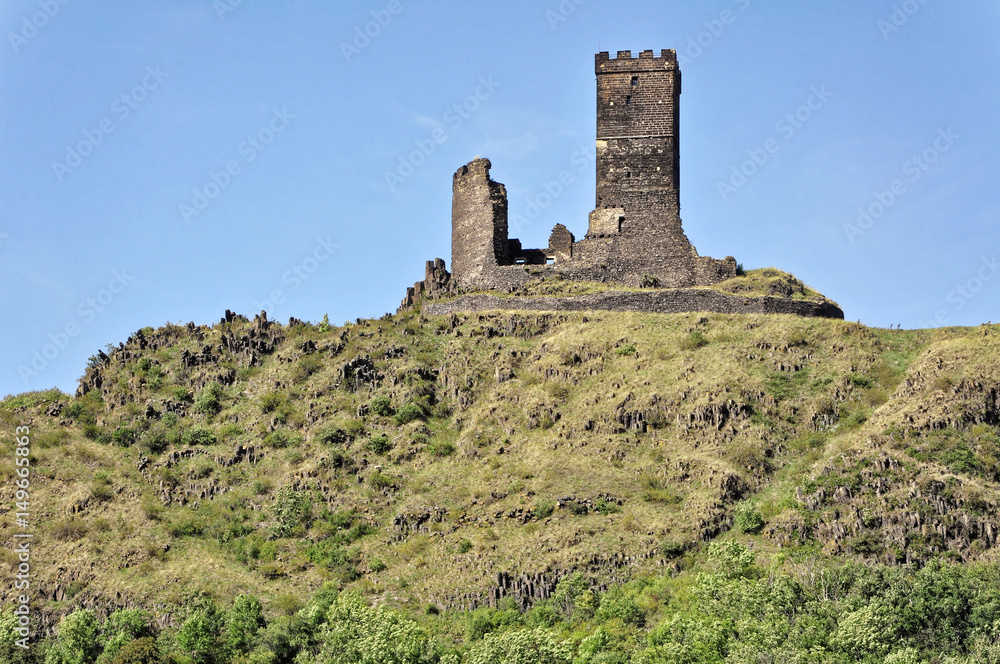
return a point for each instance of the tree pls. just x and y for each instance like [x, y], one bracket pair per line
[76, 641]
[122, 627]
[200, 637]
[243, 622]
[356, 633]
[535, 646]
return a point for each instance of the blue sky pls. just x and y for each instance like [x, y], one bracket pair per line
[167, 161]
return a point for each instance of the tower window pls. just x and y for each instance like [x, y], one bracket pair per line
[635, 80]
[628, 100]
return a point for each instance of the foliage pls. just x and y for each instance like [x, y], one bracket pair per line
[292, 509]
[536, 646]
[209, 399]
[747, 518]
[408, 413]
[77, 641]
[379, 444]
[381, 405]
[356, 633]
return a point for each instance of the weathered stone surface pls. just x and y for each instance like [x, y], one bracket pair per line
[662, 301]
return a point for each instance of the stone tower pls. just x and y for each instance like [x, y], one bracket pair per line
[478, 222]
[638, 150]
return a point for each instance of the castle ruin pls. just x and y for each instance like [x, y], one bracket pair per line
[634, 235]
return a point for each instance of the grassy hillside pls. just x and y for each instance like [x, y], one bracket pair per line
[415, 459]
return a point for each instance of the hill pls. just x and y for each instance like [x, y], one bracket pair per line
[479, 460]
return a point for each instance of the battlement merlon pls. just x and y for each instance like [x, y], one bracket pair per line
[604, 64]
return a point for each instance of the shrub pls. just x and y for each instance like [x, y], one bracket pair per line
[200, 635]
[746, 517]
[199, 436]
[441, 448]
[306, 366]
[243, 622]
[694, 341]
[124, 436]
[182, 394]
[380, 481]
[139, 651]
[408, 413]
[606, 507]
[544, 509]
[291, 509]
[626, 351]
[379, 444]
[333, 436]
[272, 401]
[464, 546]
[381, 405]
[280, 438]
[156, 440]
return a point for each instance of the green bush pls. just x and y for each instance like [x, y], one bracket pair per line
[408, 413]
[694, 341]
[441, 448]
[77, 639]
[124, 436]
[199, 436]
[200, 637]
[279, 439]
[746, 517]
[379, 444]
[209, 399]
[291, 510]
[381, 405]
[243, 622]
[333, 436]
[626, 350]
[544, 509]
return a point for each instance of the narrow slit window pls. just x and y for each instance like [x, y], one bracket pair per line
[628, 100]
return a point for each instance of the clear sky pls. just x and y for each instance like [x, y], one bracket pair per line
[166, 161]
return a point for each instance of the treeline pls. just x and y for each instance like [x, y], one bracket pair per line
[734, 610]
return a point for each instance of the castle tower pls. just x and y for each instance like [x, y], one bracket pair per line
[638, 151]
[478, 225]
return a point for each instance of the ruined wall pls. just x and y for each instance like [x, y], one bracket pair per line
[664, 302]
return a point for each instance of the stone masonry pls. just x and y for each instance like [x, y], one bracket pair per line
[634, 236]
